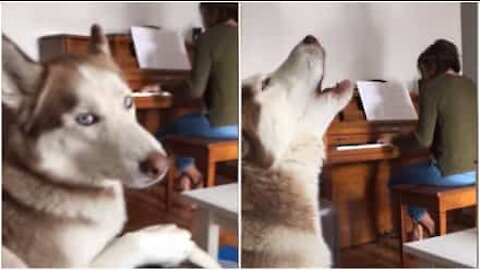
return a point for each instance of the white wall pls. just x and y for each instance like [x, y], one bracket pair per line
[25, 22]
[470, 40]
[362, 40]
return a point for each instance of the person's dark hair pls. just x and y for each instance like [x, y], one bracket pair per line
[221, 11]
[439, 57]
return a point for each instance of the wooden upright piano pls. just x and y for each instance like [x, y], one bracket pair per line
[355, 178]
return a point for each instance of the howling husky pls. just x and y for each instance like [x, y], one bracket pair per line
[284, 117]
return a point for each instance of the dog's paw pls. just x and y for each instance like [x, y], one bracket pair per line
[203, 259]
[165, 244]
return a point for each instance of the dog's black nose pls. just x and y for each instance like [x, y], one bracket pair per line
[310, 40]
[155, 165]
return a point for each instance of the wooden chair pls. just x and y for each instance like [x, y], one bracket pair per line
[206, 152]
[438, 201]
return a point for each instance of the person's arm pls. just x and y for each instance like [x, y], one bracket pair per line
[427, 120]
[200, 73]
[423, 135]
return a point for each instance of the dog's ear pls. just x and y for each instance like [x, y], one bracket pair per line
[253, 151]
[21, 76]
[98, 41]
[252, 147]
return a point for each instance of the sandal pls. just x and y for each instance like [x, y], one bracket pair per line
[193, 184]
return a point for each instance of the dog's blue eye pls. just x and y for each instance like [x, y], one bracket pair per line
[128, 102]
[86, 119]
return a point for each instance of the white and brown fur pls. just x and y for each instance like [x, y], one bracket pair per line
[63, 203]
[284, 117]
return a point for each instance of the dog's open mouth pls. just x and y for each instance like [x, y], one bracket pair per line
[338, 89]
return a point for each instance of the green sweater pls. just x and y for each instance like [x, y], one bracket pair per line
[214, 75]
[448, 122]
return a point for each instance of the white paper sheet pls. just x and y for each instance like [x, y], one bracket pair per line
[386, 101]
[159, 48]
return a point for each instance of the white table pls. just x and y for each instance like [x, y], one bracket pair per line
[217, 207]
[457, 250]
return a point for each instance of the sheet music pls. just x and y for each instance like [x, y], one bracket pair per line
[159, 48]
[386, 101]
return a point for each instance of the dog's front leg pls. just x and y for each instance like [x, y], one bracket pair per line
[165, 245]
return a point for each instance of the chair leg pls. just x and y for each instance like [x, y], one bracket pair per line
[442, 223]
[210, 177]
[207, 167]
[402, 228]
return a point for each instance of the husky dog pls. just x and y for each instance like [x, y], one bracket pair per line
[284, 117]
[70, 143]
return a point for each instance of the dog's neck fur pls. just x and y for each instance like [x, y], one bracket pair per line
[290, 187]
[304, 159]
[41, 194]
[305, 155]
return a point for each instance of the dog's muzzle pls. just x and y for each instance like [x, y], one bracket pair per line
[155, 165]
[310, 40]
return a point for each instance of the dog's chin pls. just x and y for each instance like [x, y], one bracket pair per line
[141, 181]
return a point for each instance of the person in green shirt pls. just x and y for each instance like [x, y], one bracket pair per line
[213, 78]
[447, 126]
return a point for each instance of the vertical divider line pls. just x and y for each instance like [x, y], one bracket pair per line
[478, 144]
[239, 171]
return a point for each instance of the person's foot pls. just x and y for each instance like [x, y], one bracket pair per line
[427, 222]
[189, 179]
[416, 233]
